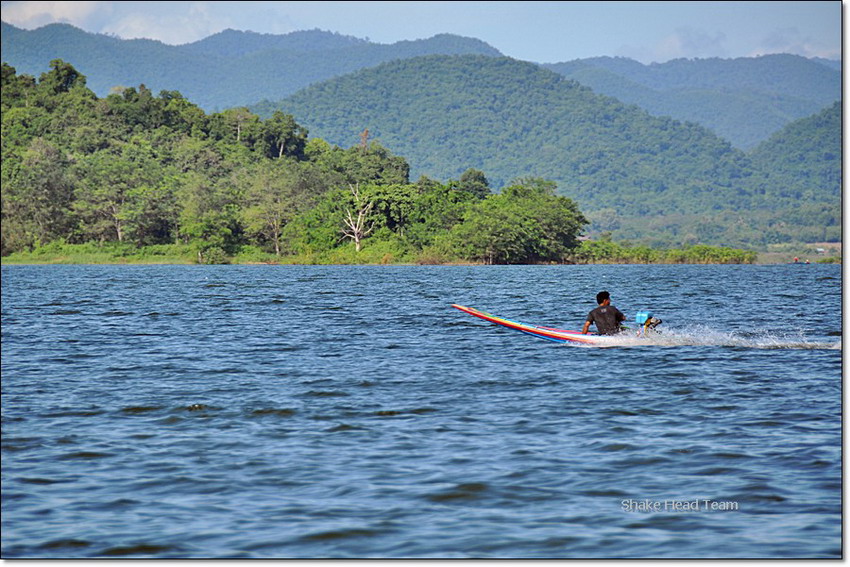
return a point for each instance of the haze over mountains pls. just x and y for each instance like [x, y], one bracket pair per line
[743, 100]
[230, 68]
[629, 141]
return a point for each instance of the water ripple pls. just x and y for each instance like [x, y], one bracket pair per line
[249, 412]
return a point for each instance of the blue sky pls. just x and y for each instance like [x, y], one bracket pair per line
[543, 32]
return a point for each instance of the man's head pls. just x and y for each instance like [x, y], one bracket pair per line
[602, 297]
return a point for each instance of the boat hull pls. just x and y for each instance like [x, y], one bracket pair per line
[547, 333]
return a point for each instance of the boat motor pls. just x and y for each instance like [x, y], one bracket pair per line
[646, 322]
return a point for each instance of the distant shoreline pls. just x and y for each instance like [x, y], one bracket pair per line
[124, 262]
[589, 253]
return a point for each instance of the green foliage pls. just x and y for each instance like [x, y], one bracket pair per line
[61, 252]
[212, 255]
[436, 209]
[135, 177]
[275, 192]
[361, 164]
[647, 174]
[804, 159]
[36, 196]
[526, 223]
[319, 228]
[668, 183]
[281, 136]
[147, 170]
[607, 252]
[475, 182]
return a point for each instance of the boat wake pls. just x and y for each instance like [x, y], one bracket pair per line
[704, 336]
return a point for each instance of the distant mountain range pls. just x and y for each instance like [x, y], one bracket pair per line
[228, 69]
[743, 100]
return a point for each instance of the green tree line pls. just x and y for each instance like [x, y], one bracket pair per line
[605, 251]
[142, 170]
[135, 171]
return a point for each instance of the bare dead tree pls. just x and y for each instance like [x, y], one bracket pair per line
[357, 225]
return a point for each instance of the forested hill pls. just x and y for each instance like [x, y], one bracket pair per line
[510, 118]
[744, 100]
[229, 69]
[804, 158]
[642, 176]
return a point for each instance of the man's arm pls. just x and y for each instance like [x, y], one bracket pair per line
[586, 327]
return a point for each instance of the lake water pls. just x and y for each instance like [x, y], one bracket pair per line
[332, 412]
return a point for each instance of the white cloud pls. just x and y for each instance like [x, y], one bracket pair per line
[698, 43]
[688, 42]
[684, 42]
[30, 15]
[177, 23]
[791, 40]
[169, 22]
[172, 29]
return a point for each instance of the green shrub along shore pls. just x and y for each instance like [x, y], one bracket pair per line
[588, 252]
[135, 178]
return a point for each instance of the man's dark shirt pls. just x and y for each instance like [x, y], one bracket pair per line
[607, 319]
